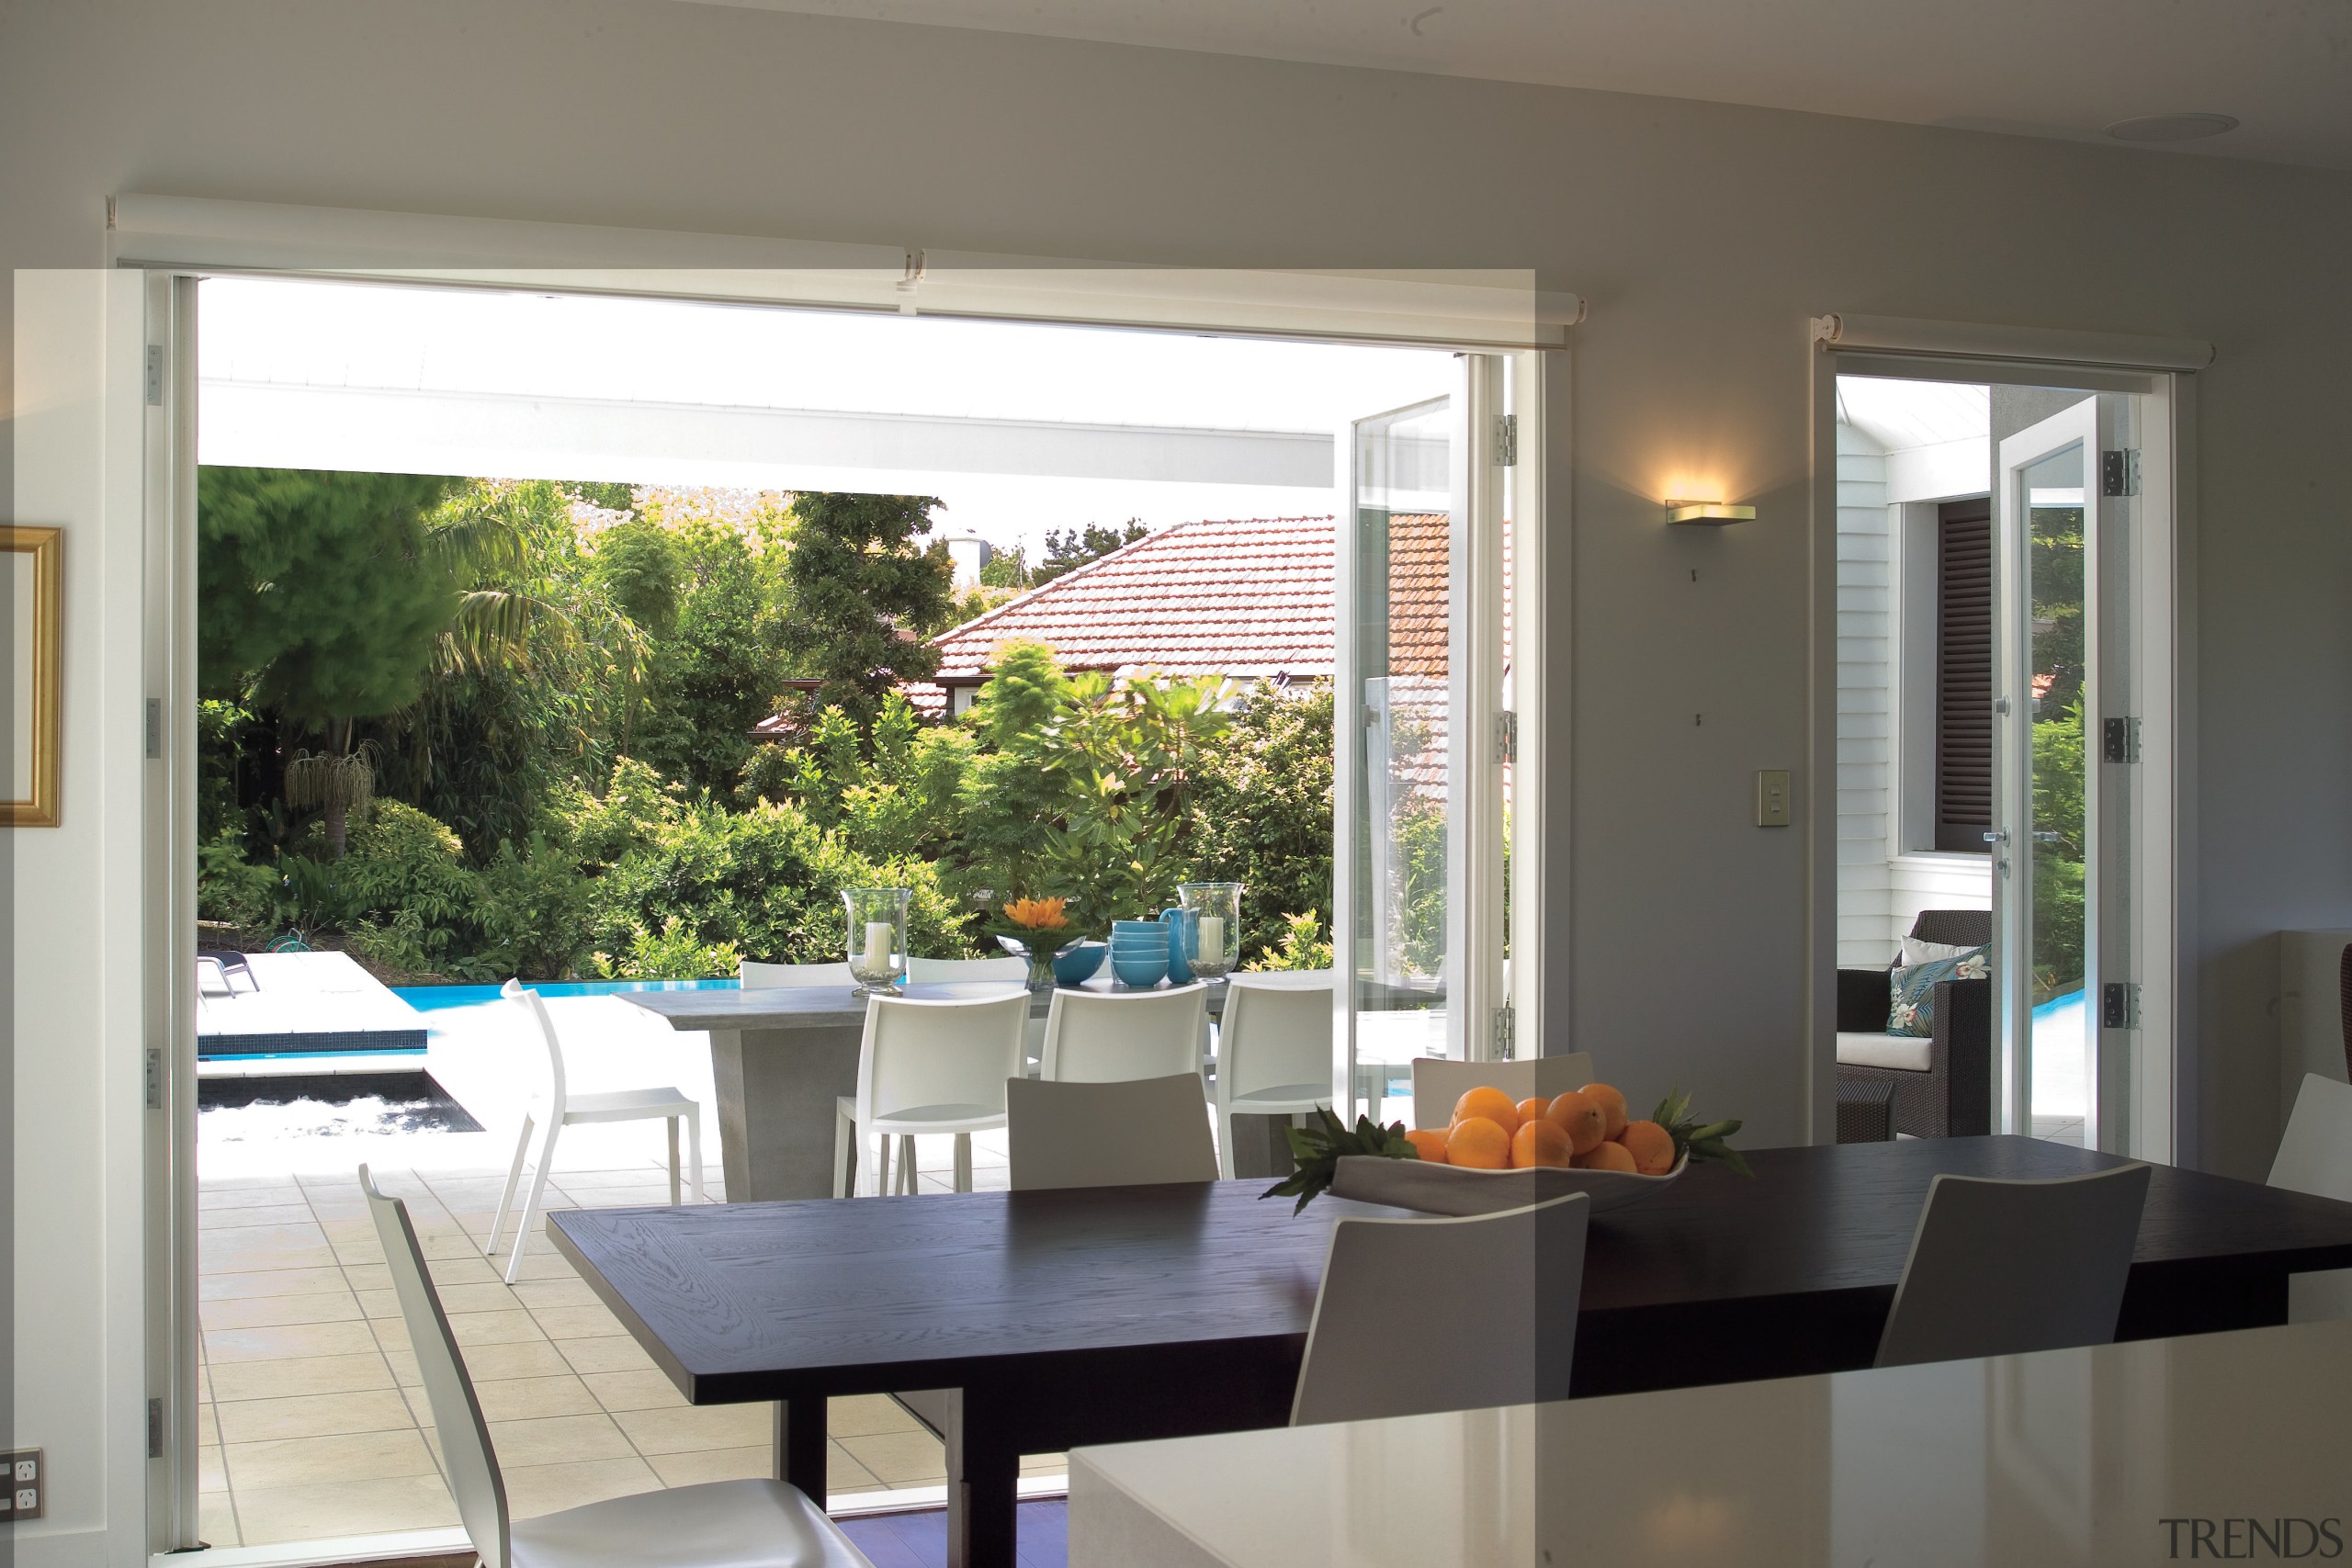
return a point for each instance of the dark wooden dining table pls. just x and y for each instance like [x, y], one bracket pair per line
[1061, 1319]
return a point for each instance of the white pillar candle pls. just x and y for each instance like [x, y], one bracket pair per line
[1212, 944]
[877, 944]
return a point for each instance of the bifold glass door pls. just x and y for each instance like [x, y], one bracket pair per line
[1417, 883]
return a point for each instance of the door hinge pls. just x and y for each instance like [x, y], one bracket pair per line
[1506, 1032]
[154, 727]
[154, 1078]
[2119, 472]
[2122, 740]
[1506, 440]
[2119, 1004]
[1507, 737]
[154, 374]
[154, 1428]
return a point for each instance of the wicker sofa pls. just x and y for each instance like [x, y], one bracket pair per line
[1943, 1084]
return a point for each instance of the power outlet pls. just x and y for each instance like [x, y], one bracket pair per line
[27, 1486]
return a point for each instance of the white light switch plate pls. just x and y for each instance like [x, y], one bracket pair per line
[1773, 797]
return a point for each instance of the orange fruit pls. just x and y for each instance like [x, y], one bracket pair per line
[1478, 1142]
[1612, 1105]
[1539, 1143]
[1581, 1118]
[1651, 1145]
[1606, 1157]
[1429, 1144]
[1491, 1103]
[1533, 1110]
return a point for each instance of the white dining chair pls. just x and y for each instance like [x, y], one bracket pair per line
[1106, 1036]
[2316, 1156]
[1439, 1083]
[2003, 1267]
[554, 1107]
[1428, 1315]
[1273, 1050]
[718, 1524]
[1139, 1132]
[939, 971]
[926, 1067]
[778, 976]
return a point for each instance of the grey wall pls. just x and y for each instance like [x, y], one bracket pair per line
[1703, 235]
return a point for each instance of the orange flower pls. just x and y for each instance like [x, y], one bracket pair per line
[1036, 914]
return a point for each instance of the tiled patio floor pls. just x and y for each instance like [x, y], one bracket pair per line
[312, 1421]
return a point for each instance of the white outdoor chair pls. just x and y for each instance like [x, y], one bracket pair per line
[1429, 1314]
[1141, 1133]
[774, 977]
[933, 971]
[2004, 1267]
[2316, 1156]
[553, 1107]
[1438, 1083]
[719, 1524]
[1273, 1053]
[926, 1067]
[1109, 1036]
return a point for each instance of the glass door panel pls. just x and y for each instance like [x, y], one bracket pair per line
[1392, 942]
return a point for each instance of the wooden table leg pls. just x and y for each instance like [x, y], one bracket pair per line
[983, 1486]
[800, 1446]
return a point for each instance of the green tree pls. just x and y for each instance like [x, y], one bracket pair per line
[721, 668]
[1066, 550]
[865, 598]
[1260, 812]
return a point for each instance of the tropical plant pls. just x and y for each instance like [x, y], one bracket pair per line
[1260, 810]
[1303, 946]
[336, 783]
[675, 953]
[864, 596]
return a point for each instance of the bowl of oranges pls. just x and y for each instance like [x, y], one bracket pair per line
[1497, 1153]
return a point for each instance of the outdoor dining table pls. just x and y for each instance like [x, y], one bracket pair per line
[781, 1056]
[1100, 1315]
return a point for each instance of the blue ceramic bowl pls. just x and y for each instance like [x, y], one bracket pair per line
[1139, 971]
[1078, 964]
[1154, 929]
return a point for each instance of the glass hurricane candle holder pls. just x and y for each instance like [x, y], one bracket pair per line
[1213, 926]
[877, 938]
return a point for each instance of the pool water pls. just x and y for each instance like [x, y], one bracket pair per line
[431, 999]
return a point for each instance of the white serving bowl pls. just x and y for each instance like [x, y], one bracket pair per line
[1455, 1189]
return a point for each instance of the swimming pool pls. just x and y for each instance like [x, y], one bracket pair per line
[433, 999]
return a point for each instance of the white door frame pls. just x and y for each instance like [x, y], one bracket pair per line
[2161, 1090]
[1395, 311]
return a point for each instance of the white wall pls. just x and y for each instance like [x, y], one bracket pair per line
[1699, 233]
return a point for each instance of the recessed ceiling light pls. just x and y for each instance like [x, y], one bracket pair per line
[2172, 127]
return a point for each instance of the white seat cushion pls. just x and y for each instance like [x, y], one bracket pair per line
[1287, 1096]
[1907, 1051]
[720, 1524]
[627, 1105]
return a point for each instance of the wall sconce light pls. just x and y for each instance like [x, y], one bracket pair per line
[1710, 512]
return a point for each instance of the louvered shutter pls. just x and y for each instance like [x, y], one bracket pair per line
[1963, 674]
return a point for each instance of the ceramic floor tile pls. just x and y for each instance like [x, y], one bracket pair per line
[212, 1474]
[901, 1458]
[612, 1352]
[224, 1346]
[515, 1399]
[404, 1367]
[208, 1221]
[365, 1507]
[248, 1251]
[216, 1520]
[487, 1295]
[244, 1286]
[634, 1391]
[210, 1199]
[732, 1465]
[535, 1489]
[866, 1416]
[1045, 1464]
[308, 1461]
[385, 1302]
[517, 1359]
[312, 1416]
[471, 1270]
[277, 1312]
[236, 1381]
[577, 1321]
[689, 1427]
[550, 1265]
[538, 1294]
[555, 1440]
[492, 1327]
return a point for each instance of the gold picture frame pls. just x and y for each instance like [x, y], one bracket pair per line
[29, 776]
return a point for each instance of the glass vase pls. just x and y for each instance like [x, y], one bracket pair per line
[1213, 926]
[877, 938]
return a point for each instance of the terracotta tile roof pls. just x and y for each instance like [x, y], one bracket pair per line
[1244, 596]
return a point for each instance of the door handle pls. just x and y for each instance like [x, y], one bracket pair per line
[1998, 836]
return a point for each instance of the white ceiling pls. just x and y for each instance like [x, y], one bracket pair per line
[2027, 67]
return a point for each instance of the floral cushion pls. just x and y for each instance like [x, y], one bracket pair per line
[1912, 991]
